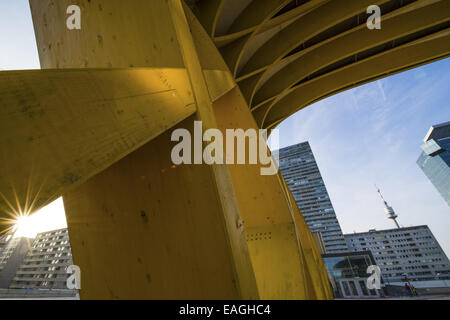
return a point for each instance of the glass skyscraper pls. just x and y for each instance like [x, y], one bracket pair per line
[435, 158]
[299, 168]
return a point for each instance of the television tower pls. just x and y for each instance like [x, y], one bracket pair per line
[390, 212]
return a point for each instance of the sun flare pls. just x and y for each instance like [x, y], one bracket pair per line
[50, 217]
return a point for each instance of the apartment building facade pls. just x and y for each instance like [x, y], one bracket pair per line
[45, 265]
[412, 253]
[299, 168]
[12, 255]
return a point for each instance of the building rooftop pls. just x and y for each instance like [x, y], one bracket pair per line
[438, 131]
[385, 230]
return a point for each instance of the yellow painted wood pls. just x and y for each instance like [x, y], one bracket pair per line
[265, 25]
[247, 85]
[229, 258]
[111, 34]
[285, 38]
[60, 127]
[306, 27]
[413, 54]
[262, 11]
[233, 51]
[313, 259]
[208, 55]
[215, 71]
[350, 44]
[243, 271]
[305, 11]
[144, 229]
[208, 12]
[278, 263]
[256, 13]
[218, 83]
[268, 221]
[141, 227]
[261, 112]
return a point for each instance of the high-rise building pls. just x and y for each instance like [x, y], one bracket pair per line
[7, 250]
[435, 158]
[302, 175]
[11, 257]
[46, 263]
[411, 252]
[2, 243]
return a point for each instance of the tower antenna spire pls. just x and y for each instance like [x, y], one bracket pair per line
[388, 209]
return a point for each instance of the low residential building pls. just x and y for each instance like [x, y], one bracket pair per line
[403, 253]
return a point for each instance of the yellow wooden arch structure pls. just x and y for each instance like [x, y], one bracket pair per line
[94, 126]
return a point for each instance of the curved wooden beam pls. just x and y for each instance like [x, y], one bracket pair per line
[430, 48]
[282, 60]
[208, 13]
[261, 113]
[257, 12]
[58, 128]
[221, 41]
[316, 21]
[215, 71]
[247, 86]
[395, 26]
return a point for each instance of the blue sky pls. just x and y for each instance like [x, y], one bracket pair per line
[370, 134]
[17, 42]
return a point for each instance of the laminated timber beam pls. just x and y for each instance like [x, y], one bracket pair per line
[58, 128]
[424, 50]
[208, 12]
[315, 38]
[268, 219]
[97, 131]
[144, 228]
[254, 14]
[311, 24]
[396, 25]
[240, 30]
[312, 257]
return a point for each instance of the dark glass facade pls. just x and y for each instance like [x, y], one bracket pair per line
[348, 273]
[299, 169]
[435, 163]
